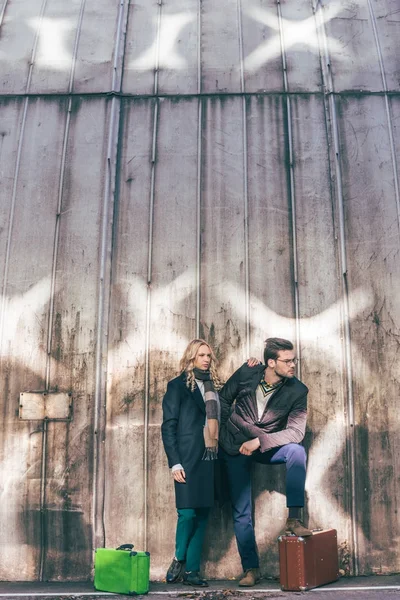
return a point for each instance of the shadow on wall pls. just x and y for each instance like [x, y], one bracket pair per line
[67, 545]
[61, 530]
[270, 513]
[67, 531]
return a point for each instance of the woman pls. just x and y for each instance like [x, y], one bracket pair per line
[189, 430]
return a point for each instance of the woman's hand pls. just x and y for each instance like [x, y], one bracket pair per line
[179, 476]
[253, 362]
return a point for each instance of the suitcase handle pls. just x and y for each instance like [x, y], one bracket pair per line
[125, 547]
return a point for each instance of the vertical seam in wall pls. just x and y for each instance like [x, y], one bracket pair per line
[245, 180]
[157, 48]
[149, 282]
[59, 201]
[3, 12]
[100, 405]
[317, 7]
[7, 265]
[199, 173]
[43, 476]
[76, 44]
[45, 425]
[291, 188]
[50, 317]
[148, 320]
[35, 43]
[11, 223]
[118, 60]
[392, 146]
[16, 175]
[388, 111]
[198, 217]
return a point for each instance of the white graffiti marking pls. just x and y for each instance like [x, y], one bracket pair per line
[303, 32]
[168, 56]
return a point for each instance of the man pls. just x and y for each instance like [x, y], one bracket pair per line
[265, 424]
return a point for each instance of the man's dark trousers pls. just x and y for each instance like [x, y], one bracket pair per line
[239, 477]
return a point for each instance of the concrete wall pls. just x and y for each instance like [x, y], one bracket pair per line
[181, 168]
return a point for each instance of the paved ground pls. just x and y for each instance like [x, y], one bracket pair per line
[360, 588]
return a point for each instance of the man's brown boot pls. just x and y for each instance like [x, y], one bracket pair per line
[251, 577]
[296, 527]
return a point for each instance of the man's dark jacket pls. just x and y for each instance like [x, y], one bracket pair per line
[283, 421]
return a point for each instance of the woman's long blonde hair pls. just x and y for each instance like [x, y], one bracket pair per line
[187, 364]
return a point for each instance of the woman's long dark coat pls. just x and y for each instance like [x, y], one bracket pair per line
[184, 416]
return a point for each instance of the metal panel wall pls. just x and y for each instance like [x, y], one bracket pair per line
[372, 239]
[240, 182]
[24, 324]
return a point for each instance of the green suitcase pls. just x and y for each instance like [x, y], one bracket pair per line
[122, 571]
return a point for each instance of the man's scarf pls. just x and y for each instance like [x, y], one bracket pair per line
[213, 413]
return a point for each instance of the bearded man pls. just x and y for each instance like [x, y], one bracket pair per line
[263, 420]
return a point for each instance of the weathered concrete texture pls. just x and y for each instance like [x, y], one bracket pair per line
[236, 198]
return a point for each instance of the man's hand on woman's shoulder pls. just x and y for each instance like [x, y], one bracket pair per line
[253, 362]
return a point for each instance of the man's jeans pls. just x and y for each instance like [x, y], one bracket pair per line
[239, 477]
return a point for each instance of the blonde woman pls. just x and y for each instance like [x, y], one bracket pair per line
[191, 414]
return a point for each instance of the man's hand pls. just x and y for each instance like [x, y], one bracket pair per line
[249, 447]
[253, 362]
[179, 476]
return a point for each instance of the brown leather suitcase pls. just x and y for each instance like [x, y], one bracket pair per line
[308, 562]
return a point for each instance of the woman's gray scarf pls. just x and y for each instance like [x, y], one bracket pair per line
[213, 415]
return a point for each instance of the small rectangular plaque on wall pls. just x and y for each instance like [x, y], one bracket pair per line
[53, 406]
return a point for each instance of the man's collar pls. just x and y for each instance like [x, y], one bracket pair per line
[268, 387]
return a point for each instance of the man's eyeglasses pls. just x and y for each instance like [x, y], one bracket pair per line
[290, 361]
